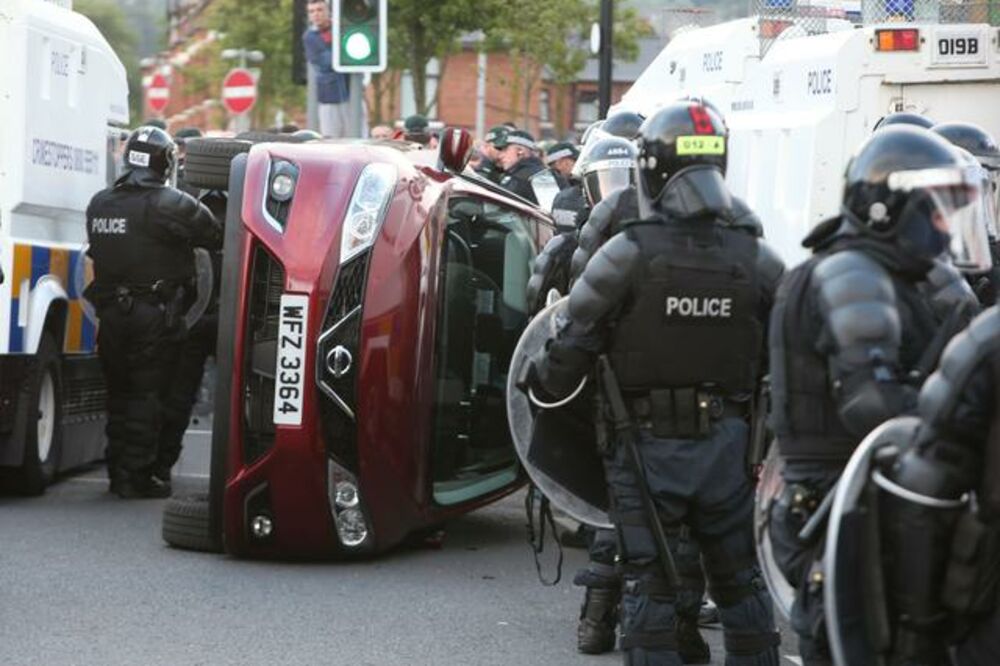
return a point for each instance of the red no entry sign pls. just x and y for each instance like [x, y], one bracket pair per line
[239, 91]
[158, 93]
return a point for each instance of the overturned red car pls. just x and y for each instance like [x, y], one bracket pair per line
[372, 298]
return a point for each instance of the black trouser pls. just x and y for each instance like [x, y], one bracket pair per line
[687, 556]
[701, 483]
[137, 351]
[801, 562]
[182, 387]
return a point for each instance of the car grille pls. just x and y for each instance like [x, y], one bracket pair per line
[342, 327]
[266, 284]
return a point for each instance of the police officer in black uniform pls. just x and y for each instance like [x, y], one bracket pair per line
[981, 145]
[852, 334]
[942, 548]
[521, 165]
[679, 303]
[141, 233]
[568, 208]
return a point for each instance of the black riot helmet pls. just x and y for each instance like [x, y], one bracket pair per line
[151, 148]
[699, 99]
[624, 124]
[904, 118]
[909, 187]
[678, 136]
[974, 139]
[610, 166]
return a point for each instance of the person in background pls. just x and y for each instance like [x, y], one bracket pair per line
[332, 89]
[382, 133]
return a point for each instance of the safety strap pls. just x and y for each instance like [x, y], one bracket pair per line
[537, 541]
[662, 640]
[746, 644]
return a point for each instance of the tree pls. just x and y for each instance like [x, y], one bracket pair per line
[112, 23]
[264, 25]
[420, 31]
[549, 36]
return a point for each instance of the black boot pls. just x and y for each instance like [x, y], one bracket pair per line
[142, 486]
[690, 644]
[598, 620]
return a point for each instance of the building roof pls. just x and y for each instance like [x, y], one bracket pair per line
[627, 72]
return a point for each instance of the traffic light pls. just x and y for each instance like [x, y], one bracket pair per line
[359, 35]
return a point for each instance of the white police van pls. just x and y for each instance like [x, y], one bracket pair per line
[63, 102]
[804, 83]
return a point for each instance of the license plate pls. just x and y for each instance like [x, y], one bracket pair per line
[959, 47]
[290, 370]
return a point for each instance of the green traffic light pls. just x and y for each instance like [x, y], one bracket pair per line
[358, 45]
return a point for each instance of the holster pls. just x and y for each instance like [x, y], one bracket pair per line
[970, 583]
[759, 439]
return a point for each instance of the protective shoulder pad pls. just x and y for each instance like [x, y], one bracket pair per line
[605, 280]
[946, 289]
[594, 233]
[967, 352]
[770, 267]
[858, 303]
[744, 218]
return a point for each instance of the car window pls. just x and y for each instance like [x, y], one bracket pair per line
[486, 260]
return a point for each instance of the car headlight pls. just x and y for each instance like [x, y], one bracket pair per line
[367, 208]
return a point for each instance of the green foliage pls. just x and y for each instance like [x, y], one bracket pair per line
[265, 25]
[112, 23]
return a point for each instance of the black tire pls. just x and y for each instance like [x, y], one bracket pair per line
[268, 137]
[207, 163]
[186, 524]
[36, 473]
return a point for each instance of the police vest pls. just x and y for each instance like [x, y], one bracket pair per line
[129, 245]
[693, 317]
[804, 414]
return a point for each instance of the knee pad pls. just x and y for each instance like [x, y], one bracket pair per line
[598, 575]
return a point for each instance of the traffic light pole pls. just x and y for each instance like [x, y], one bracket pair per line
[606, 55]
[357, 106]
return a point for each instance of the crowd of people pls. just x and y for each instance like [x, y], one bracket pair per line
[683, 315]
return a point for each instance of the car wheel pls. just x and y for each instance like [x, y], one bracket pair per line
[207, 162]
[270, 137]
[186, 524]
[42, 433]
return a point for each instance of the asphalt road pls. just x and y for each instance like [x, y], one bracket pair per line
[86, 579]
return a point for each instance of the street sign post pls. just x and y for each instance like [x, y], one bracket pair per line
[158, 93]
[239, 91]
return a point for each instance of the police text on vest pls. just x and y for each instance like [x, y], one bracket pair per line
[108, 225]
[701, 306]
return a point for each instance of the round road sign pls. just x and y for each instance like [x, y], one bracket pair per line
[239, 91]
[158, 93]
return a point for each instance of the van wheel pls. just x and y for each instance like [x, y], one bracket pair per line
[186, 524]
[206, 165]
[42, 432]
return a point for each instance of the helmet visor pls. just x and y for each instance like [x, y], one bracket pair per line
[991, 194]
[958, 209]
[597, 134]
[603, 178]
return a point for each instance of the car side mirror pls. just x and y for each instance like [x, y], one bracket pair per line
[454, 149]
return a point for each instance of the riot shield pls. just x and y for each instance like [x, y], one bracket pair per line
[204, 283]
[546, 188]
[770, 486]
[857, 623]
[558, 446]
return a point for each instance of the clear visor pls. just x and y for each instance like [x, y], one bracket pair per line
[608, 176]
[991, 194]
[593, 137]
[959, 209]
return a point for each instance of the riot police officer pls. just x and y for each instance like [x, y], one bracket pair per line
[141, 233]
[904, 118]
[943, 549]
[524, 172]
[983, 148]
[568, 208]
[678, 303]
[852, 332]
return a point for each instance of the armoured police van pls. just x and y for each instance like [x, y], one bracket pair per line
[802, 84]
[63, 102]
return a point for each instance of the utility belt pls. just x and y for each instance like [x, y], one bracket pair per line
[168, 294]
[676, 413]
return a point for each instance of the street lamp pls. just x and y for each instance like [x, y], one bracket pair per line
[243, 55]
